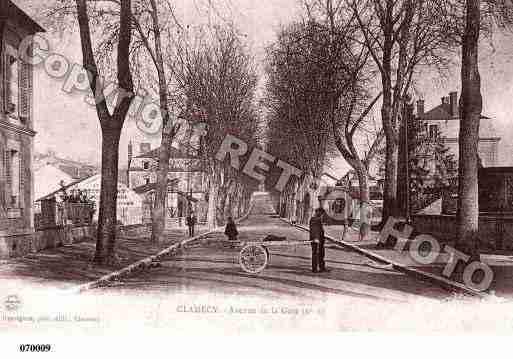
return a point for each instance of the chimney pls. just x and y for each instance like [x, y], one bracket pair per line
[420, 107]
[144, 147]
[454, 104]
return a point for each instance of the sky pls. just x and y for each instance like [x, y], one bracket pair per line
[68, 126]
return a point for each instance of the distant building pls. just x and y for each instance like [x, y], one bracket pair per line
[342, 200]
[129, 204]
[75, 169]
[187, 181]
[16, 132]
[48, 179]
[444, 120]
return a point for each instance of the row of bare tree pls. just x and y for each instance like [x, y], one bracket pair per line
[328, 71]
[200, 74]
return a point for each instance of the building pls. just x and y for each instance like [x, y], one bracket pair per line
[75, 169]
[129, 204]
[16, 132]
[341, 200]
[48, 179]
[187, 181]
[444, 120]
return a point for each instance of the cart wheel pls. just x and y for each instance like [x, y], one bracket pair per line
[253, 258]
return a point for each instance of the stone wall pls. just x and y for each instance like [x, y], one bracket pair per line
[24, 243]
[136, 230]
[495, 231]
[21, 244]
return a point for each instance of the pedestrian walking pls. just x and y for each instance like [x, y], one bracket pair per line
[231, 230]
[317, 239]
[191, 222]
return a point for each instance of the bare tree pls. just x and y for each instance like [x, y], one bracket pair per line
[217, 78]
[350, 77]
[111, 123]
[401, 36]
[297, 104]
[318, 69]
[149, 29]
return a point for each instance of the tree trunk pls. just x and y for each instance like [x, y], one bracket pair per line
[239, 200]
[470, 109]
[158, 213]
[222, 198]
[390, 190]
[107, 215]
[389, 123]
[168, 132]
[363, 184]
[212, 201]
[230, 200]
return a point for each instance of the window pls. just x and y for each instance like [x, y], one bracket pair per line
[147, 180]
[12, 163]
[17, 85]
[433, 131]
[338, 206]
[11, 79]
[146, 165]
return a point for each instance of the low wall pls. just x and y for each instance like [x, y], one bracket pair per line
[135, 230]
[20, 244]
[495, 231]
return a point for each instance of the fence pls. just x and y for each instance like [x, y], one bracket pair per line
[495, 230]
[55, 214]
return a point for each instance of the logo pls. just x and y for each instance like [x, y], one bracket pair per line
[12, 302]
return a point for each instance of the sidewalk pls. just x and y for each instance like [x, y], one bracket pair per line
[501, 265]
[68, 266]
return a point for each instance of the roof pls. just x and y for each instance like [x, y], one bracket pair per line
[93, 179]
[47, 179]
[18, 15]
[174, 153]
[151, 186]
[451, 125]
[191, 169]
[53, 158]
[440, 113]
[61, 188]
[450, 129]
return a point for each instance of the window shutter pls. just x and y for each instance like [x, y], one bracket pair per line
[7, 171]
[21, 161]
[25, 91]
[7, 85]
[3, 189]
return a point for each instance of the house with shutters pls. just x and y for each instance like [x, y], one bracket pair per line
[186, 177]
[444, 120]
[16, 130]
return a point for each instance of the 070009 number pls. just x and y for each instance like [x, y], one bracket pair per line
[35, 348]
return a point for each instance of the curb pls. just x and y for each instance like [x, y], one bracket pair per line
[148, 262]
[445, 283]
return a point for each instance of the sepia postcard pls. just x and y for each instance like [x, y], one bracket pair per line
[181, 168]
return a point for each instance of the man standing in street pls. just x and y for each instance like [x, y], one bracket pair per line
[317, 239]
[191, 221]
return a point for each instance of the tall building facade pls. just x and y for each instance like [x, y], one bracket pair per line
[16, 132]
